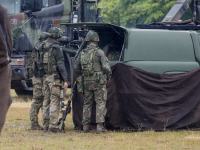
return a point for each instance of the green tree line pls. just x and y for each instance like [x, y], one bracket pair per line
[128, 13]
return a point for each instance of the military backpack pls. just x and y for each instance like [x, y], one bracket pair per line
[87, 62]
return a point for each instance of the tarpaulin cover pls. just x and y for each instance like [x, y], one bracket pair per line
[140, 100]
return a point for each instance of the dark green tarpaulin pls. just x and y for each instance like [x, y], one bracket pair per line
[140, 100]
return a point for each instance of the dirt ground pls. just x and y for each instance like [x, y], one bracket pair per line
[17, 135]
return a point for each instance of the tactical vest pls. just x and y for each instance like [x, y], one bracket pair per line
[90, 64]
[35, 66]
[38, 54]
[49, 61]
[34, 58]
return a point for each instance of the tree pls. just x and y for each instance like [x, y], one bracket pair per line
[129, 12]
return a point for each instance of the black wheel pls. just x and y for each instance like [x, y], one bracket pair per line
[23, 92]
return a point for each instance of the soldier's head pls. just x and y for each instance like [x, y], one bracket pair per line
[92, 37]
[43, 36]
[55, 33]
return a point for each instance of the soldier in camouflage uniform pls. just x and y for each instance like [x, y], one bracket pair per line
[38, 73]
[113, 54]
[55, 71]
[94, 66]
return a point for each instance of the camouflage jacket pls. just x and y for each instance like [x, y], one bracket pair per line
[114, 56]
[53, 59]
[100, 63]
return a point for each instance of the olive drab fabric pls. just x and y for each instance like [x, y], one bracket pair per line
[94, 67]
[92, 37]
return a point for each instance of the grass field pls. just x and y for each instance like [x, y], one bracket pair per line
[17, 135]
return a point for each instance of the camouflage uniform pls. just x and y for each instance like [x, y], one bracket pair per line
[37, 80]
[95, 79]
[54, 67]
[113, 55]
[112, 52]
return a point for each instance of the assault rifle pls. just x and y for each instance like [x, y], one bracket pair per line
[61, 121]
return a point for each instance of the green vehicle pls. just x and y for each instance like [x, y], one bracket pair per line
[160, 51]
[153, 50]
[166, 47]
[29, 18]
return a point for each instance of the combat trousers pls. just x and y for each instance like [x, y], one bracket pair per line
[99, 92]
[51, 103]
[37, 100]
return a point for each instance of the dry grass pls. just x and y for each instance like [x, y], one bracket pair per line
[16, 135]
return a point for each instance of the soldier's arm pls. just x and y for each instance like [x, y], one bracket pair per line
[105, 64]
[32, 57]
[77, 65]
[60, 63]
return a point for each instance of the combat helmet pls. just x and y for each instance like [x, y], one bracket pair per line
[55, 32]
[44, 36]
[92, 37]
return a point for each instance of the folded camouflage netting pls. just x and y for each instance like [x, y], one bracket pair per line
[140, 100]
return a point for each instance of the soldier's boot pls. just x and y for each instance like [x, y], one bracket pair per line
[86, 128]
[100, 128]
[46, 125]
[54, 130]
[34, 118]
[36, 127]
